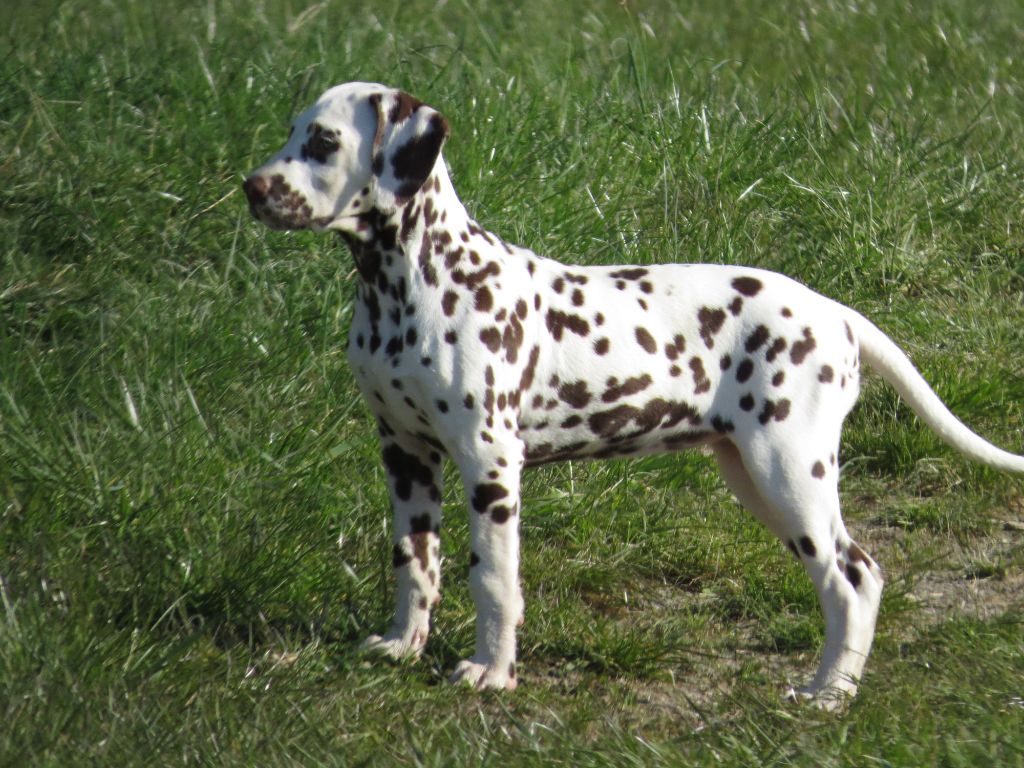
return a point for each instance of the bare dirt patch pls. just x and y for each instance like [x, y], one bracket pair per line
[935, 577]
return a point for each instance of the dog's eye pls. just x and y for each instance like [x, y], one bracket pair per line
[320, 146]
[328, 143]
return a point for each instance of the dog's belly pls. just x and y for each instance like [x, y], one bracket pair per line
[629, 432]
[618, 407]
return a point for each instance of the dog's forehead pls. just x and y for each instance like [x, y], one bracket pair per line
[339, 105]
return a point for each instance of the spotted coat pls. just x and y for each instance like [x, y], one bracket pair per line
[469, 348]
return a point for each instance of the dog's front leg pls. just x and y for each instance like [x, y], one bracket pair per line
[491, 477]
[414, 480]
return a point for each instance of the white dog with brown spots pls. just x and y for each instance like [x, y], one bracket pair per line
[469, 348]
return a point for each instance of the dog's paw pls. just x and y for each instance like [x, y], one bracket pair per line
[827, 699]
[396, 645]
[482, 676]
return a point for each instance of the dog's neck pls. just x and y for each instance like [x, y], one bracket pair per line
[430, 240]
[414, 265]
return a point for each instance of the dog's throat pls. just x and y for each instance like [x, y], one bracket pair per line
[372, 243]
[367, 257]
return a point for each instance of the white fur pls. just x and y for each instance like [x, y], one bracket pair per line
[467, 347]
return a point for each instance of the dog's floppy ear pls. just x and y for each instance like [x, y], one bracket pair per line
[405, 147]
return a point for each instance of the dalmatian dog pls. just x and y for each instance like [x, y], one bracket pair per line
[470, 348]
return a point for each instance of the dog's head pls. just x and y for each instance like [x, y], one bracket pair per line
[362, 146]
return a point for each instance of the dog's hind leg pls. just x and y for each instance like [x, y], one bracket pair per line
[795, 494]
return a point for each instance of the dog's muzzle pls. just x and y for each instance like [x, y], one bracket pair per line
[256, 188]
[276, 204]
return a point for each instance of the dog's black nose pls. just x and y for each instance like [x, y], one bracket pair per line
[256, 188]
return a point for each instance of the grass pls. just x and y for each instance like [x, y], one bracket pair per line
[192, 516]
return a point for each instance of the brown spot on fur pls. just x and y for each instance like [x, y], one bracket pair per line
[782, 410]
[748, 286]
[421, 548]
[645, 340]
[757, 339]
[406, 469]
[744, 370]
[491, 337]
[630, 386]
[701, 381]
[778, 346]
[399, 557]
[404, 106]
[774, 410]
[472, 279]
[607, 423]
[576, 394]
[802, 348]
[485, 494]
[630, 273]
[676, 347]
[526, 381]
[484, 300]
[557, 322]
[448, 302]
[722, 426]
[413, 161]
[711, 321]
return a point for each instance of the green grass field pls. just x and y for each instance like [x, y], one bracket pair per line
[193, 520]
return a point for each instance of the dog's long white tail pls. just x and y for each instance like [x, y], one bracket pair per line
[881, 353]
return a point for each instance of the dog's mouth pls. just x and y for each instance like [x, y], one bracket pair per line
[275, 203]
[274, 220]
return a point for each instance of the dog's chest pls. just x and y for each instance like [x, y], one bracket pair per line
[394, 353]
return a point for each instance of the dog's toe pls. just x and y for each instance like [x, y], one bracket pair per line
[395, 645]
[482, 676]
[826, 699]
